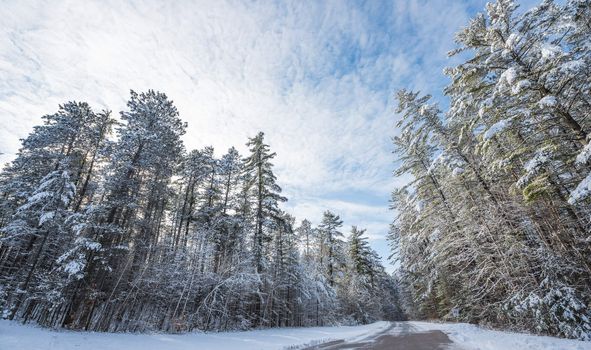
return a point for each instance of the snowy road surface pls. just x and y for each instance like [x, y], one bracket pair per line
[453, 336]
[400, 335]
[379, 335]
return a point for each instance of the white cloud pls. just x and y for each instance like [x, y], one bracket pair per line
[317, 77]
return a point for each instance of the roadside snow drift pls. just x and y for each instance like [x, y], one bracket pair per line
[471, 337]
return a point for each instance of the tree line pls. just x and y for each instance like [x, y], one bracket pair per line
[494, 224]
[111, 225]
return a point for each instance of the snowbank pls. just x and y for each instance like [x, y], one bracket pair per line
[14, 336]
[471, 337]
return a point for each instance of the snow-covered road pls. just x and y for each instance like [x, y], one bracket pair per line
[400, 335]
[403, 335]
[450, 336]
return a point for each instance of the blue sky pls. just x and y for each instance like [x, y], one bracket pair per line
[318, 77]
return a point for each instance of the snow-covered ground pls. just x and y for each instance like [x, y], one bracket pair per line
[14, 336]
[471, 337]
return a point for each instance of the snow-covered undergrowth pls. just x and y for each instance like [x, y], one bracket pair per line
[471, 337]
[14, 336]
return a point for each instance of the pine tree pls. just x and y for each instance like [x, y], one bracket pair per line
[74, 134]
[331, 252]
[265, 194]
[37, 230]
[125, 224]
[307, 237]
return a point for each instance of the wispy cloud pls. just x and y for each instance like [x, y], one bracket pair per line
[316, 76]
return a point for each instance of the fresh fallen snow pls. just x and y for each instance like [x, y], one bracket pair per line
[582, 191]
[520, 86]
[584, 155]
[548, 101]
[496, 128]
[509, 76]
[550, 51]
[14, 336]
[471, 337]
